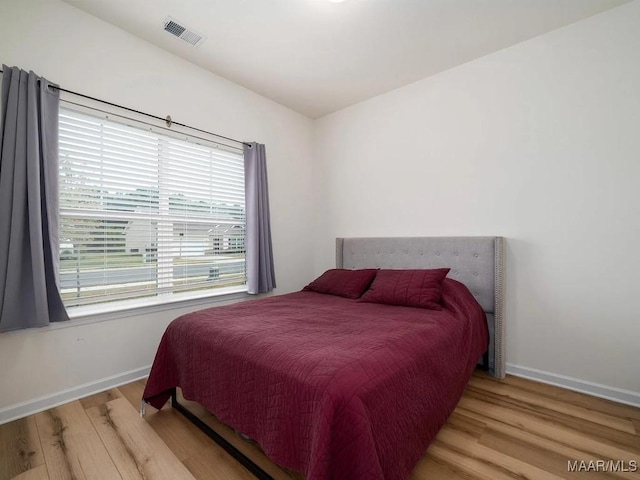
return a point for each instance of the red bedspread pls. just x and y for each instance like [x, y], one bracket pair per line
[330, 387]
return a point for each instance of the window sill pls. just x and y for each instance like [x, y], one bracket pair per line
[132, 308]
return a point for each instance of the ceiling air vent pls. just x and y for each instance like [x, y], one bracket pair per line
[183, 33]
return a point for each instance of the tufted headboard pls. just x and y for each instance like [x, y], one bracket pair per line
[475, 261]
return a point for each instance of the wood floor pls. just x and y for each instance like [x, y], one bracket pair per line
[511, 429]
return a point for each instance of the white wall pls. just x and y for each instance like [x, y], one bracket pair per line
[539, 143]
[82, 53]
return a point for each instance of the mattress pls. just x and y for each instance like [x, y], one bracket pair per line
[330, 387]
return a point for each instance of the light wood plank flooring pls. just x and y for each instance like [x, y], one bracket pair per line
[510, 429]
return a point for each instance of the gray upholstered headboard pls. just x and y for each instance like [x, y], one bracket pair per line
[475, 261]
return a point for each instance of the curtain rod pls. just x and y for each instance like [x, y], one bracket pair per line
[168, 120]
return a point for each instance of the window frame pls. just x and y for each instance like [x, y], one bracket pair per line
[157, 302]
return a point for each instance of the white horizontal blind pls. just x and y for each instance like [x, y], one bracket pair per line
[145, 214]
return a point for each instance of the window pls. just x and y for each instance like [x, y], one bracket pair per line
[145, 212]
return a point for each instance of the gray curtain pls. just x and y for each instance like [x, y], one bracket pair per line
[261, 276]
[29, 291]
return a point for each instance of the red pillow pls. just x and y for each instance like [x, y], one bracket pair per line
[344, 283]
[407, 288]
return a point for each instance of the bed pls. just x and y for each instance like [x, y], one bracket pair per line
[335, 388]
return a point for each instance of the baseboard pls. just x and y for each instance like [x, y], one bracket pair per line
[20, 410]
[23, 409]
[590, 388]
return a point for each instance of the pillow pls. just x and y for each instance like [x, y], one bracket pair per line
[343, 283]
[407, 288]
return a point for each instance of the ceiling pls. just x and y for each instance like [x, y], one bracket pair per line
[317, 57]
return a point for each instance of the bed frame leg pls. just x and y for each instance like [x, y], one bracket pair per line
[245, 461]
[485, 361]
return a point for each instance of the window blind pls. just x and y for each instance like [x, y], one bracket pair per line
[144, 213]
